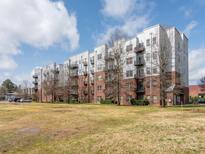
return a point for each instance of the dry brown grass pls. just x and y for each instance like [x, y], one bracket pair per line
[57, 128]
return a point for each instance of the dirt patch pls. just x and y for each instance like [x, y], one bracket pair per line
[64, 133]
[29, 130]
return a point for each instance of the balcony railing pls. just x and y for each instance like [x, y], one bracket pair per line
[85, 73]
[35, 82]
[74, 66]
[139, 48]
[92, 61]
[109, 56]
[139, 63]
[74, 92]
[74, 84]
[92, 72]
[92, 81]
[140, 90]
[74, 74]
[85, 92]
[35, 76]
[139, 76]
[85, 83]
[85, 63]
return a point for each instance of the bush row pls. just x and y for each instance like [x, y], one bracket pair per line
[141, 102]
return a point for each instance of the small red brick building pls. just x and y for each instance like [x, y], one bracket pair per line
[196, 90]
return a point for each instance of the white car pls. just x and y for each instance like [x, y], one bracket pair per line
[25, 100]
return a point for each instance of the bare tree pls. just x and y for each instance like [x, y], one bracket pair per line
[114, 61]
[164, 67]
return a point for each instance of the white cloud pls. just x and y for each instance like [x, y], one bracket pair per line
[196, 64]
[128, 29]
[17, 79]
[193, 24]
[6, 62]
[38, 23]
[131, 15]
[118, 8]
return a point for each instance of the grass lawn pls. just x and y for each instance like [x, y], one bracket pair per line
[87, 129]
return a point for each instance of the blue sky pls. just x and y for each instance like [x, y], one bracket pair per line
[39, 32]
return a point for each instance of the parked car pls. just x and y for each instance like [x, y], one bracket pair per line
[201, 101]
[26, 100]
[17, 99]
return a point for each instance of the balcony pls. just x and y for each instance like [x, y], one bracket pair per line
[85, 63]
[92, 61]
[92, 92]
[92, 72]
[109, 57]
[35, 83]
[74, 74]
[139, 49]
[35, 76]
[139, 76]
[92, 81]
[74, 92]
[74, 84]
[86, 83]
[85, 92]
[85, 73]
[140, 90]
[56, 71]
[139, 63]
[74, 66]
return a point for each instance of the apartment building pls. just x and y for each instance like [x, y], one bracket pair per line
[50, 82]
[88, 73]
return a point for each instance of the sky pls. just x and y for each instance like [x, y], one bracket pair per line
[39, 32]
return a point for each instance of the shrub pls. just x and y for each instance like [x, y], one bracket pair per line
[140, 102]
[106, 101]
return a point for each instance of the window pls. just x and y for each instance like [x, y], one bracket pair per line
[129, 48]
[129, 73]
[154, 70]
[148, 57]
[148, 42]
[129, 86]
[155, 55]
[99, 56]
[148, 70]
[129, 60]
[154, 40]
[99, 88]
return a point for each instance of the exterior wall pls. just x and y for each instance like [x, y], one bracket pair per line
[152, 39]
[99, 93]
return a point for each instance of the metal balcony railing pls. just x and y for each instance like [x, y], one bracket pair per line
[85, 83]
[85, 92]
[35, 76]
[85, 73]
[140, 90]
[92, 61]
[92, 71]
[109, 56]
[139, 62]
[74, 66]
[35, 82]
[85, 63]
[139, 75]
[92, 81]
[139, 48]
